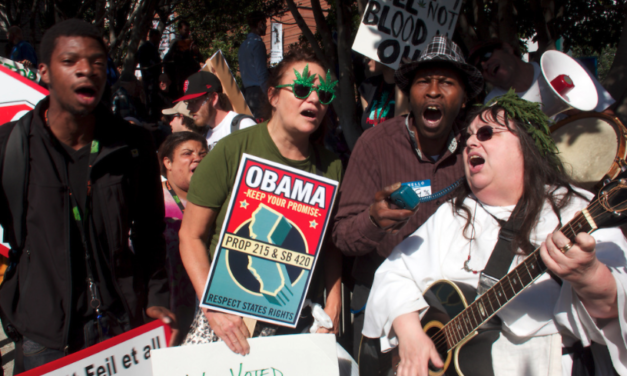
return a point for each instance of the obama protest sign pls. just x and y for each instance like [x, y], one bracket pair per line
[393, 29]
[269, 242]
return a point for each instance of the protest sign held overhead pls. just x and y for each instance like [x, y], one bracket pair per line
[393, 29]
[302, 355]
[270, 242]
[124, 355]
[217, 65]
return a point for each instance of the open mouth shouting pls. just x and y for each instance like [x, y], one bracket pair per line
[309, 114]
[432, 115]
[86, 94]
[475, 162]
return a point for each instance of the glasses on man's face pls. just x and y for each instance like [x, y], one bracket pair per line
[483, 134]
[483, 57]
[302, 91]
[177, 116]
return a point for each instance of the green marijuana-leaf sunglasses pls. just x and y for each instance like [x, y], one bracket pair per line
[303, 85]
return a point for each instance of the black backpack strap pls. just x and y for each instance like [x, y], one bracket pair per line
[15, 169]
[238, 119]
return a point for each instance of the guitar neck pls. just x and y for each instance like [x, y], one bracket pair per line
[523, 275]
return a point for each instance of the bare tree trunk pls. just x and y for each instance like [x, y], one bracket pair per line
[543, 11]
[346, 109]
[140, 29]
[507, 23]
[306, 32]
[616, 80]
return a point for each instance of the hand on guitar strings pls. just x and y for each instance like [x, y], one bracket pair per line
[383, 216]
[577, 263]
[231, 329]
[415, 348]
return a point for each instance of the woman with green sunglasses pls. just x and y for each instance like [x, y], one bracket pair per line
[300, 89]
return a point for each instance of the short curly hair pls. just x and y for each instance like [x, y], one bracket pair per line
[68, 28]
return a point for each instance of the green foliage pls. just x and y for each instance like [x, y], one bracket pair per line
[605, 58]
[221, 25]
[530, 114]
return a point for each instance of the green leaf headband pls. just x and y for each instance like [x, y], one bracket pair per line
[531, 116]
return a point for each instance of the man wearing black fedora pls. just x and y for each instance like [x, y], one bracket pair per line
[422, 150]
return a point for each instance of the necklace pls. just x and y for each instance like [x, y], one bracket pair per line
[472, 237]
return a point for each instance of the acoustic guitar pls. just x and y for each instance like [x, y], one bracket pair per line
[451, 322]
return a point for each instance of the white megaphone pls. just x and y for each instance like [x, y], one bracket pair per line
[583, 96]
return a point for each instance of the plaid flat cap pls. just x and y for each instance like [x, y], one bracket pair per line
[440, 49]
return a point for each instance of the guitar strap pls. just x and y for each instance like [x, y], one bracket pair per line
[502, 256]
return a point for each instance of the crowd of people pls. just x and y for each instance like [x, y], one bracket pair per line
[113, 206]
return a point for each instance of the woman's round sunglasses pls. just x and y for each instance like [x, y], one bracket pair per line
[483, 134]
[303, 85]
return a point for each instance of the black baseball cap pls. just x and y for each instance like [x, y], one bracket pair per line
[199, 84]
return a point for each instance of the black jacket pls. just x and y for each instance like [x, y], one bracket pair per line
[127, 199]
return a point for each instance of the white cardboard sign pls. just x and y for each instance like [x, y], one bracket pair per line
[393, 29]
[124, 355]
[290, 355]
[276, 44]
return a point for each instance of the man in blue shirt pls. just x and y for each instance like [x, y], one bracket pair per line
[22, 51]
[253, 66]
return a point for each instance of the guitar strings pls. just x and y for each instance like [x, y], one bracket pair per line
[440, 338]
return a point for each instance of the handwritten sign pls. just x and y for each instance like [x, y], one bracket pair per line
[270, 240]
[393, 29]
[292, 355]
[123, 355]
[19, 68]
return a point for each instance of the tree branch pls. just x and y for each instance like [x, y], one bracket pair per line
[307, 32]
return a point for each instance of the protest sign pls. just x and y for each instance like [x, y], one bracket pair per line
[393, 29]
[123, 355]
[270, 241]
[276, 44]
[291, 355]
[18, 95]
[217, 65]
[19, 68]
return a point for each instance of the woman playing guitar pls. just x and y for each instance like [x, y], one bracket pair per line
[526, 322]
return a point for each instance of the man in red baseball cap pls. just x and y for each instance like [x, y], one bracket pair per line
[211, 108]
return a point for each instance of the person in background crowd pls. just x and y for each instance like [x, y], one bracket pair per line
[22, 51]
[253, 67]
[377, 95]
[179, 62]
[128, 98]
[512, 171]
[162, 98]
[112, 72]
[77, 249]
[420, 149]
[179, 155]
[503, 68]
[284, 139]
[211, 108]
[182, 121]
[150, 64]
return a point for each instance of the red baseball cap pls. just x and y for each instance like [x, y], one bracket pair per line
[199, 84]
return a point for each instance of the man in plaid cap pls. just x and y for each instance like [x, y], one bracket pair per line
[421, 149]
[210, 107]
